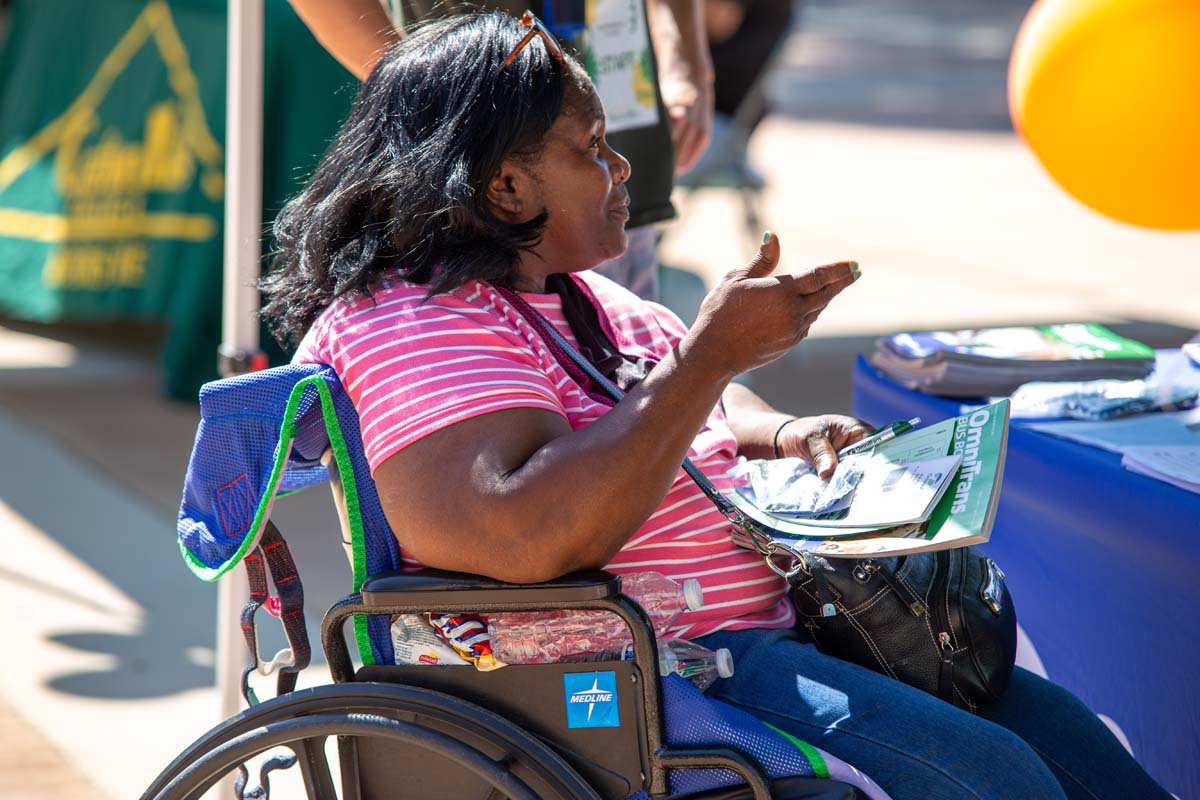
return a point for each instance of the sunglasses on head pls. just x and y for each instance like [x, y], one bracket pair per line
[536, 28]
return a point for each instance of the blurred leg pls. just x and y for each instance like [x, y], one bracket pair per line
[738, 61]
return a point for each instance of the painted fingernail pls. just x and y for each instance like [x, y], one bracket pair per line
[766, 236]
[854, 269]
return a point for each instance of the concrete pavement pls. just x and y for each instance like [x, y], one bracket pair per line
[890, 147]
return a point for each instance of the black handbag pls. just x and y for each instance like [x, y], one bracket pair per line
[942, 622]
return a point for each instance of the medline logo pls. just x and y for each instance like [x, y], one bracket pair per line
[591, 700]
[591, 697]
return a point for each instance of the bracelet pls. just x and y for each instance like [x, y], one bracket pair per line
[779, 430]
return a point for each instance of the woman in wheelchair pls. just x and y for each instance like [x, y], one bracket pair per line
[450, 227]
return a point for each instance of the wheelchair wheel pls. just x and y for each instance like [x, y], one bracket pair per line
[479, 752]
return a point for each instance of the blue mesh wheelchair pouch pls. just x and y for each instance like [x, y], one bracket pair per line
[261, 435]
[693, 719]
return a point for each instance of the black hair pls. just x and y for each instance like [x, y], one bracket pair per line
[404, 182]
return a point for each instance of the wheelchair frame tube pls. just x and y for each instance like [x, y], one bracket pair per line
[645, 651]
[198, 776]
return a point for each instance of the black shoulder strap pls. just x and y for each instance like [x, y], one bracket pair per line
[727, 508]
[755, 534]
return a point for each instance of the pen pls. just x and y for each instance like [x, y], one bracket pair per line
[884, 434]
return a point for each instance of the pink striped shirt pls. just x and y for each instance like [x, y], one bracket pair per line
[413, 367]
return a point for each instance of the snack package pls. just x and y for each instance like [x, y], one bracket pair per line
[416, 642]
[791, 486]
[468, 635]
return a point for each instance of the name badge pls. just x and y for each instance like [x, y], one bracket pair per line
[613, 43]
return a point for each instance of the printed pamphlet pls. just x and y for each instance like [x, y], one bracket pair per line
[962, 516]
[995, 361]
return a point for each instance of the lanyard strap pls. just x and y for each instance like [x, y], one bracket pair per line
[755, 535]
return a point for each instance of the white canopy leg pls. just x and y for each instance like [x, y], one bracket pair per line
[240, 299]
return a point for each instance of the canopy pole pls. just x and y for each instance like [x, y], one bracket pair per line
[239, 351]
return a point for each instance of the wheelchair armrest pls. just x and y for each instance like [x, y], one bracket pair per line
[443, 590]
[458, 593]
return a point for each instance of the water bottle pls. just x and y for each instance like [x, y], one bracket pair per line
[687, 659]
[547, 637]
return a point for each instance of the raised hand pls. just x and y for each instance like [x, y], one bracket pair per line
[754, 316]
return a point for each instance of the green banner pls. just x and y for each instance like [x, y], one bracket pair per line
[112, 129]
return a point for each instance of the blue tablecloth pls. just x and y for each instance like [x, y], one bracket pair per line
[1104, 567]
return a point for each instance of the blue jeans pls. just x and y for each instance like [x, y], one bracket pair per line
[1038, 741]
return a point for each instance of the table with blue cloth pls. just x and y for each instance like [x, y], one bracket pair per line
[1104, 567]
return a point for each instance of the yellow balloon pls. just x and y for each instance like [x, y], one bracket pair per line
[1107, 94]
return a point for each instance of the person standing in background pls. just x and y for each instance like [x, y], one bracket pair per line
[650, 63]
[743, 36]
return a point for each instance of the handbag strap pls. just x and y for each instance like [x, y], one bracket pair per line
[763, 543]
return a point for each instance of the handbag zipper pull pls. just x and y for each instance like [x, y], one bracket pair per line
[914, 604]
[946, 668]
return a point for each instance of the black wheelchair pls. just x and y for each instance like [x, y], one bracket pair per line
[418, 731]
[428, 732]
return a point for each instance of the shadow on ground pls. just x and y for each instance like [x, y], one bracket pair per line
[102, 456]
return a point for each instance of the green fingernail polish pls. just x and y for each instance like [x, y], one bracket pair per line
[766, 236]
